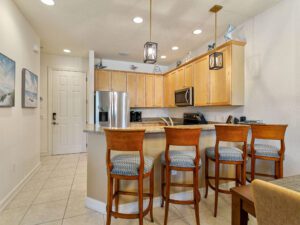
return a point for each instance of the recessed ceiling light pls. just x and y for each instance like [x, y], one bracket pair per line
[197, 31]
[138, 19]
[48, 2]
[174, 48]
[67, 51]
[163, 57]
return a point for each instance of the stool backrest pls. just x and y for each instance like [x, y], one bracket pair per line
[124, 140]
[232, 133]
[268, 131]
[182, 136]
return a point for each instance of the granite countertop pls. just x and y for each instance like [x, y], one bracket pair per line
[92, 128]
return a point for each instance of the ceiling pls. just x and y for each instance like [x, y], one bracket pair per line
[106, 25]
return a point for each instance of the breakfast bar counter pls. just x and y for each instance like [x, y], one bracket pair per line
[154, 145]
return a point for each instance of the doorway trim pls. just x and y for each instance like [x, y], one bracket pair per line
[50, 101]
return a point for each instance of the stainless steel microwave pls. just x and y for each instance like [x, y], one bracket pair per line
[184, 97]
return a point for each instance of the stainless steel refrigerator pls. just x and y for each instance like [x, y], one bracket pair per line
[112, 109]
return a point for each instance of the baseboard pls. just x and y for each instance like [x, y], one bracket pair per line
[133, 206]
[8, 198]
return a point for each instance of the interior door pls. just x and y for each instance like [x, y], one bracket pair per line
[68, 112]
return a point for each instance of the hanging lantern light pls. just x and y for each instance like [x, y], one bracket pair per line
[216, 58]
[150, 48]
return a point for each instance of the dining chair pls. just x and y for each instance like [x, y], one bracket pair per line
[275, 205]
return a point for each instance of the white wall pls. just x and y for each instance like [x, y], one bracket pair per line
[60, 62]
[272, 76]
[125, 66]
[19, 128]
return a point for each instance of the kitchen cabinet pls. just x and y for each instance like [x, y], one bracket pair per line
[179, 79]
[169, 89]
[227, 84]
[118, 81]
[158, 91]
[188, 75]
[150, 90]
[132, 88]
[201, 82]
[140, 90]
[102, 80]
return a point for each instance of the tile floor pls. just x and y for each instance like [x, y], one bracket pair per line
[55, 196]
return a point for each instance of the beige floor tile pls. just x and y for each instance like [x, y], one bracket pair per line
[78, 193]
[59, 182]
[23, 199]
[159, 214]
[32, 185]
[12, 216]
[90, 219]
[76, 207]
[62, 173]
[45, 212]
[119, 221]
[57, 222]
[53, 194]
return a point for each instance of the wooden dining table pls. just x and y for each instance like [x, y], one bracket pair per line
[242, 199]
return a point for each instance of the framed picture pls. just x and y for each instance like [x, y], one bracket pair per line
[29, 89]
[7, 81]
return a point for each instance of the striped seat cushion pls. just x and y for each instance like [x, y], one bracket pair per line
[128, 165]
[226, 153]
[184, 159]
[264, 150]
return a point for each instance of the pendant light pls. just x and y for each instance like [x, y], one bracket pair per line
[150, 48]
[216, 58]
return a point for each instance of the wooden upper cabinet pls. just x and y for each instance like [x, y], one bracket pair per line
[140, 90]
[132, 88]
[150, 86]
[158, 91]
[201, 82]
[118, 81]
[220, 81]
[169, 89]
[102, 80]
[188, 75]
[179, 79]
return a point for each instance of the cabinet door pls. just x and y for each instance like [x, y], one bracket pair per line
[140, 89]
[220, 88]
[150, 90]
[201, 82]
[102, 80]
[179, 80]
[169, 89]
[118, 81]
[188, 75]
[132, 88]
[158, 91]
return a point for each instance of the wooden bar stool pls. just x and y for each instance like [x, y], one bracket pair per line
[227, 155]
[186, 160]
[128, 167]
[267, 151]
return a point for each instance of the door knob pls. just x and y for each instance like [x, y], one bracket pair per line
[54, 123]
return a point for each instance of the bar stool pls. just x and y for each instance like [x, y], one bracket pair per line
[266, 151]
[186, 160]
[128, 167]
[226, 155]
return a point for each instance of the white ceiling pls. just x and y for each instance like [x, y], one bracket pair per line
[106, 25]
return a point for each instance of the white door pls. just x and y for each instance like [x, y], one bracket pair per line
[68, 112]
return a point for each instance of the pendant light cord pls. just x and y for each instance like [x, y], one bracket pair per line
[215, 29]
[150, 19]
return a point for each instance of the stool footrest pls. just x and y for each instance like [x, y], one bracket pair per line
[219, 190]
[131, 194]
[222, 178]
[181, 202]
[130, 216]
[179, 185]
